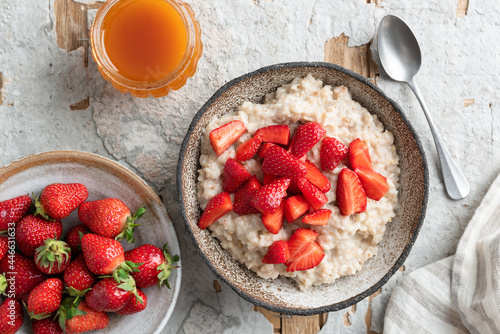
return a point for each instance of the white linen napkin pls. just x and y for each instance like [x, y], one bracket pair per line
[458, 294]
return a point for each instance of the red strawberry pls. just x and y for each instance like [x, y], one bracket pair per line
[157, 264]
[234, 175]
[53, 256]
[243, 196]
[313, 195]
[133, 306]
[247, 150]
[218, 206]
[305, 137]
[11, 316]
[102, 255]
[110, 218]
[332, 152]
[295, 207]
[31, 232]
[13, 210]
[86, 320]
[74, 237]
[278, 134]
[252, 184]
[299, 241]
[374, 184]
[277, 253]
[359, 155]
[279, 162]
[4, 246]
[318, 217]
[58, 200]
[274, 221]
[21, 273]
[308, 259]
[45, 299]
[268, 198]
[317, 178]
[107, 295]
[225, 136]
[46, 326]
[294, 188]
[78, 278]
[263, 149]
[269, 178]
[351, 197]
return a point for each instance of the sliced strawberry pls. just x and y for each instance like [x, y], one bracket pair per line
[278, 134]
[277, 253]
[279, 162]
[332, 152]
[318, 217]
[306, 136]
[295, 207]
[374, 184]
[317, 178]
[263, 149]
[225, 136]
[247, 150]
[299, 241]
[217, 207]
[252, 184]
[268, 198]
[234, 175]
[268, 178]
[309, 259]
[351, 197]
[242, 206]
[274, 221]
[359, 155]
[293, 188]
[313, 195]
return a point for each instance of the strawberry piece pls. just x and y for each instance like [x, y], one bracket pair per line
[4, 246]
[21, 273]
[359, 155]
[102, 255]
[218, 206]
[317, 178]
[243, 196]
[294, 188]
[318, 217]
[269, 197]
[280, 162]
[313, 195]
[133, 306]
[268, 178]
[332, 152]
[263, 149]
[351, 197]
[46, 326]
[299, 241]
[308, 259]
[247, 150]
[234, 175]
[13, 210]
[295, 207]
[252, 184]
[11, 316]
[305, 137]
[107, 296]
[277, 253]
[374, 184]
[32, 230]
[274, 221]
[278, 134]
[84, 319]
[58, 200]
[45, 299]
[78, 278]
[225, 136]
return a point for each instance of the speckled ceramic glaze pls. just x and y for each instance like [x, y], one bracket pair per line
[104, 178]
[282, 295]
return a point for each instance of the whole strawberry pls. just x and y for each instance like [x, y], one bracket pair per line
[78, 278]
[32, 230]
[53, 256]
[11, 316]
[4, 246]
[74, 237]
[21, 273]
[156, 265]
[46, 326]
[58, 200]
[133, 305]
[13, 210]
[45, 299]
[102, 255]
[110, 218]
[84, 319]
[109, 296]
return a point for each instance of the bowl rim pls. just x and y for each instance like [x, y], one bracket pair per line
[68, 156]
[399, 262]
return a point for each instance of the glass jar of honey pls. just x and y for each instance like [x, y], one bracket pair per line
[146, 47]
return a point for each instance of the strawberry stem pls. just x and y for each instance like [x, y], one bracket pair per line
[39, 208]
[68, 310]
[165, 269]
[3, 284]
[130, 225]
[53, 251]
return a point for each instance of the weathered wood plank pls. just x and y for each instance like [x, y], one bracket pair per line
[462, 8]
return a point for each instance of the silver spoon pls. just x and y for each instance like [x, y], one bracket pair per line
[400, 56]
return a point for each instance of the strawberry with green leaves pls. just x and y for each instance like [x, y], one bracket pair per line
[22, 275]
[134, 306]
[102, 255]
[45, 298]
[11, 316]
[78, 278]
[110, 296]
[110, 218]
[76, 317]
[58, 200]
[53, 256]
[32, 231]
[46, 326]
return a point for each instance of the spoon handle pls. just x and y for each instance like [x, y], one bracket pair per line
[455, 182]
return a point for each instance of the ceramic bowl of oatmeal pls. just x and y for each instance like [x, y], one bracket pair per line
[360, 250]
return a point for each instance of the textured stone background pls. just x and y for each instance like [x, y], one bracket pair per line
[461, 62]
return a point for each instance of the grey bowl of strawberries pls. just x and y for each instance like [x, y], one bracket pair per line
[89, 251]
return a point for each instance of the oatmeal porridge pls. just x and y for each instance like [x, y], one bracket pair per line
[347, 241]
